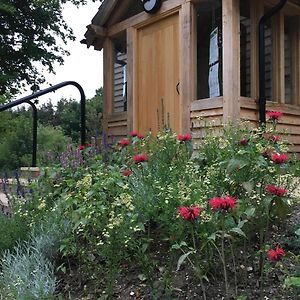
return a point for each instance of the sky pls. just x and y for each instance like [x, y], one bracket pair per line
[84, 66]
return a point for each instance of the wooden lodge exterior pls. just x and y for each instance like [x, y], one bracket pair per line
[195, 60]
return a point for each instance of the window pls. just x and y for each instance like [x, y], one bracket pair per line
[282, 52]
[209, 49]
[120, 73]
[245, 44]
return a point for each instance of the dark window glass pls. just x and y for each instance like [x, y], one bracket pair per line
[288, 30]
[245, 44]
[209, 49]
[120, 73]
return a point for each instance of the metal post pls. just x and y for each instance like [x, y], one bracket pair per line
[34, 112]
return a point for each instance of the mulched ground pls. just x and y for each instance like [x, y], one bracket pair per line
[132, 285]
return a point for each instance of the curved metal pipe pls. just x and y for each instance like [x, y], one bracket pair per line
[262, 68]
[34, 111]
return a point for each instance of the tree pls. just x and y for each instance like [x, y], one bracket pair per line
[30, 32]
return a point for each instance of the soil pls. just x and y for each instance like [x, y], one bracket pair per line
[183, 284]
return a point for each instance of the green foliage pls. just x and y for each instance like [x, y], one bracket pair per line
[52, 142]
[26, 270]
[115, 217]
[13, 230]
[28, 41]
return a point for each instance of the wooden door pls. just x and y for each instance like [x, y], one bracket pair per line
[157, 76]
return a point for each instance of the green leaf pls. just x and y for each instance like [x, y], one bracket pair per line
[292, 282]
[297, 232]
[250, 212]
[235, 164]
[212, 237]
[248, 186]
[242, 223]
[239, 231]
[182, 258]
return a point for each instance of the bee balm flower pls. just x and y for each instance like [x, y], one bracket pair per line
[274, 115]
[189, 213]
[276, 190]
[276, 254]
[279, 158]
[139, 158]
[222, 203]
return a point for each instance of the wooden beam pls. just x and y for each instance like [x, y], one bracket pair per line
[104, 12]
[97, 31]
[295, 68]
[108, 80]
[168, 7]
[187, 64]
[231, 60]
[278, 72]
[131, 35]
[256, 12]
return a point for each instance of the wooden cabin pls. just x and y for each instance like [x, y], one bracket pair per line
[189, 60]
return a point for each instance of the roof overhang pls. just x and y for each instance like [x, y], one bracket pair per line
[96, 31]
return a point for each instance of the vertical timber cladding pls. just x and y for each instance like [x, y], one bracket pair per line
[157, 76]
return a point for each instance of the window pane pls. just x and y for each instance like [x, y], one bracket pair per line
[268, 58]
[288, 59]
[209, 49]
[245, 44]
[120, 73]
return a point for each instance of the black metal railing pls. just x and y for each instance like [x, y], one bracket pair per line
[53, 88]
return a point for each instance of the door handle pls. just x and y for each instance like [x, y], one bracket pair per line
[177, 88]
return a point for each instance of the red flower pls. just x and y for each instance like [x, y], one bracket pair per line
[275, 138]
[279, 158]
[276, 254]
[244, 142]
[276, 190]
[189, 213]
[82, 147]
[184, 137]
[274, 115]
[123, 143]
[222, 203]
[133, 133]
[126, 172]
[139, 158]
[140, 136]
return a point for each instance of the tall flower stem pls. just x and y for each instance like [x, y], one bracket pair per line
[197, 269]
[234, 268]
[223, 255]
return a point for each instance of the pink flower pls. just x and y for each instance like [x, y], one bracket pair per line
[133, 133]
[139, 158]
[124, 142]
[276, 254]
[274, 115]
[184, 137]
[222, 203]
[244, 142]
[140, 136]
[276, 190]
[275, 138]
[279, 158]
[189, 213]
[126, 172]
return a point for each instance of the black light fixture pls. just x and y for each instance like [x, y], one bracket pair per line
[151, 6]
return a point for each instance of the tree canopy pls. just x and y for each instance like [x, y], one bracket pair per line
[29, 34]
